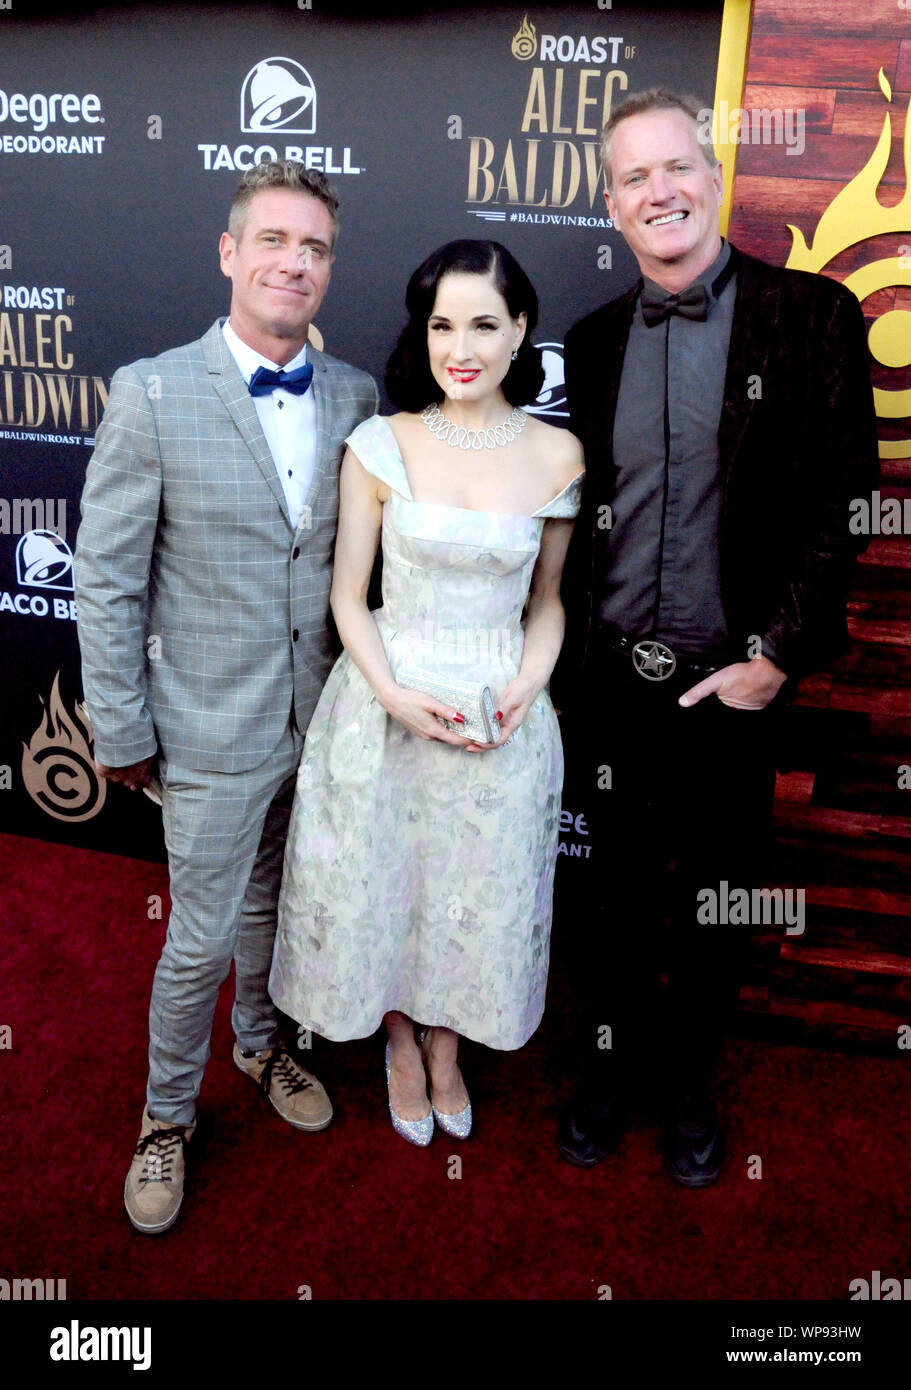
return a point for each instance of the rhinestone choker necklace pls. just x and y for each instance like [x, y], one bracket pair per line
[458, 437]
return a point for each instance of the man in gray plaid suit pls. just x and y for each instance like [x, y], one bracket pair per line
[203, 569]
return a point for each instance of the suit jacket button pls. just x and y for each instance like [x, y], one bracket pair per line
[295, 552]
[295, 634]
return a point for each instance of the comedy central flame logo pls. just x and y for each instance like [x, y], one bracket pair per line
[855, 215]
[525, 42]
[57, 763]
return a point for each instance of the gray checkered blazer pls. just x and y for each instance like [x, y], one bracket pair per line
[203, 613]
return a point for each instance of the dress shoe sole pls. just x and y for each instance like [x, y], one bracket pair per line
[611, 1131]
[694, 1179]
[572, 1156]
[583, 1162]
[697, 1180]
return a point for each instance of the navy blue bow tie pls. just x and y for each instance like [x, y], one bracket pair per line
[264, 381]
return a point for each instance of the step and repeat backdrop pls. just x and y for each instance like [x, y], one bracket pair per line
[123, 131]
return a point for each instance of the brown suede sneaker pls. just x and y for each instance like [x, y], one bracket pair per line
[153, 1190]
[297, 1096]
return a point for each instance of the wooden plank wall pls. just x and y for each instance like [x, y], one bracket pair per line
[843, 823]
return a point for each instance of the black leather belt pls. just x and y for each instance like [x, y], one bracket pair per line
[655, 660]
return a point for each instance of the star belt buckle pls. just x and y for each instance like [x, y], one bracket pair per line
[654, 660]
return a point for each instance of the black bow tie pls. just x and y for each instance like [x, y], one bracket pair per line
[691, 303]
[264, 380]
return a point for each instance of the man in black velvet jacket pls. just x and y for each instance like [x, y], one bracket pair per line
[727, 418]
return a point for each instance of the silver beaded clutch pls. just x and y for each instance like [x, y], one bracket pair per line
[474, 702]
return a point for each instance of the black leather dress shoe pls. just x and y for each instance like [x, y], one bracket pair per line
[692, 1141]
[587, 1131]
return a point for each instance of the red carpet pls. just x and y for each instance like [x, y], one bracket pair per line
[357, 1213]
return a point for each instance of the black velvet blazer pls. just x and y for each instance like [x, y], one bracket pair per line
[797, 441]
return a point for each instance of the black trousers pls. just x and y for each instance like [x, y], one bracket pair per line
[679, 801]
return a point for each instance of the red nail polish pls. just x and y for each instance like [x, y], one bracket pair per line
[458, 719]
[499, 714]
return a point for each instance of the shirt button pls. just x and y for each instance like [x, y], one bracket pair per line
[295, 634]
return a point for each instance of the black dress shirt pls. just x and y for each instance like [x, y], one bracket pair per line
[663, 575]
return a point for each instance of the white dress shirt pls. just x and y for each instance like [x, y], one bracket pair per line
[288, 421]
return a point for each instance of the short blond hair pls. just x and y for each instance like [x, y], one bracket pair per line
[657, 99]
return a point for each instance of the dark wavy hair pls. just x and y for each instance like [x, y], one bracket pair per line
[409, 381]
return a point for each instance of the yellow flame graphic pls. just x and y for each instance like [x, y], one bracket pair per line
[854, 215]
[840, 225]
[525, 42]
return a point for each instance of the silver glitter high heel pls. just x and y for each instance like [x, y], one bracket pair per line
[418, 1132]
[456, 1126]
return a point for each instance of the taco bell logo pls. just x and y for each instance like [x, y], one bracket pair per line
[278, 94]
[551, 399]
[44, 561]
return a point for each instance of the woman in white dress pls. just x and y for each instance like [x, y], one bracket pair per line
[419, 867]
